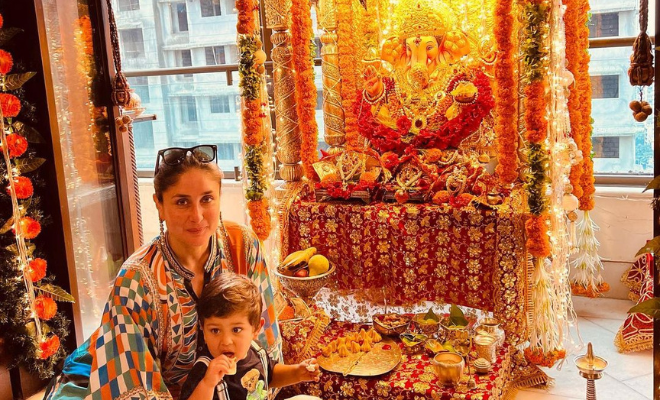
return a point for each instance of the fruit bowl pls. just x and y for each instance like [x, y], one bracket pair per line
[308, 286]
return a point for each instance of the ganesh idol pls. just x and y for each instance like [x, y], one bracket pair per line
[422, 93]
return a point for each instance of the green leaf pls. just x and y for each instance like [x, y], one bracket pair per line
[15, 81]
[7, 33]
[654, 184]
[456, 316]
[56, 292]
[431, 316]
[653, 247]
[28, 132]
[649, 307]
[14, 250]
[30, 164]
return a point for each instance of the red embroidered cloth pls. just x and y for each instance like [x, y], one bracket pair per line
[467, 256]
[413, 379]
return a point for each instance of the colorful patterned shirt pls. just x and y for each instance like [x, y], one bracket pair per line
[147, 342]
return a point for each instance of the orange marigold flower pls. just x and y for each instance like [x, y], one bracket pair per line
[538, 241]
[45, 307]
[538, 357]
[260, 218]
[37, 269]
[29, 228]
[6, 62]
[49, 347]
[432, 155]
[368, 177]
[23, 187]
[401, 196]
[16, 144]
[441, 197]
[2, 21]
[10, 105]
[329, 178]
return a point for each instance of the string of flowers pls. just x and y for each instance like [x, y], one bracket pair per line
[251, 74]
[544, 348]
[575, 106]
[587, 279]
[30, 324]
[347, 70]
[301, 34]
[505, 95]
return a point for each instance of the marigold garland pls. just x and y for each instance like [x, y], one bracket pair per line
[301, 34]
[583, 82]
[347, 70]
[538, 357]
[10, 105]
[253, 116]
[6, 62]
[574, 50]
[29, 228]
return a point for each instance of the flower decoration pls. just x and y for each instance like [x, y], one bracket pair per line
[45, 307]
[49, 347]
[544, 359]
[10, 105]
[29, 228]
[347, 70]
[301, 33]
[6, 62]
[403, 124]
[37, 269]
[260, 217]
[389, 160]
[16, 144]
[23, 187]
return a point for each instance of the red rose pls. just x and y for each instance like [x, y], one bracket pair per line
[37, 269]
[23, 187]
[45, 307]
[6, 62]
[10, 105]
[49, 347]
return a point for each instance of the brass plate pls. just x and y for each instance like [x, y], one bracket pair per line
[374, 363]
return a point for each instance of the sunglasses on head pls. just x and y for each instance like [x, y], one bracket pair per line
[172, 156]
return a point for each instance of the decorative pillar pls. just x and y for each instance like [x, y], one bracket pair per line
[286, 126]
[333, 114]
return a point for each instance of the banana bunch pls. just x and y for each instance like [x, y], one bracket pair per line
[296, 262]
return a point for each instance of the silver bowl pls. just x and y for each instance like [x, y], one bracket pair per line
[306, 287]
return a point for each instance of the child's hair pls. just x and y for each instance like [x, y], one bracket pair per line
[230, 294]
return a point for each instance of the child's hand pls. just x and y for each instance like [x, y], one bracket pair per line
[218, 368]
[308, 370]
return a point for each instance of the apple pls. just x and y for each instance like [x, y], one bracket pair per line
[302, 273]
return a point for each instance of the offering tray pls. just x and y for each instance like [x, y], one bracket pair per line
[382, 358]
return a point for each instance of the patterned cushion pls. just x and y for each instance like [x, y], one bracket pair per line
[634, 277]
[636, 333]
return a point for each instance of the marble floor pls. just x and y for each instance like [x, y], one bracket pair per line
[627, 377]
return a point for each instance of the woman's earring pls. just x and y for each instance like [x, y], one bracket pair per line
[162, 232]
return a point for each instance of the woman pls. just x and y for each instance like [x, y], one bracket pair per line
[148, 336]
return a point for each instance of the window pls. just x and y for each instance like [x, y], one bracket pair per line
[604, 25]
[132, 43]
[210, 8]
[143, 134]
[220, 104]
[215, 55]
[228, 151]
[141, 86]
[185, 60]
[180, 20]
[128, 5]
[605, 87]
[605, 146]
[188, 109]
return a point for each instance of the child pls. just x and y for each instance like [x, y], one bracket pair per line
[231, 366]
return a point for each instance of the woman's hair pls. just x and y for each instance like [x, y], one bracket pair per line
[230, 294]
[168, 175]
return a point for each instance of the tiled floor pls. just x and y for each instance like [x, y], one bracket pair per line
[627, 377]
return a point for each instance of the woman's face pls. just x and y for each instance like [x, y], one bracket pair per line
[191, 208]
